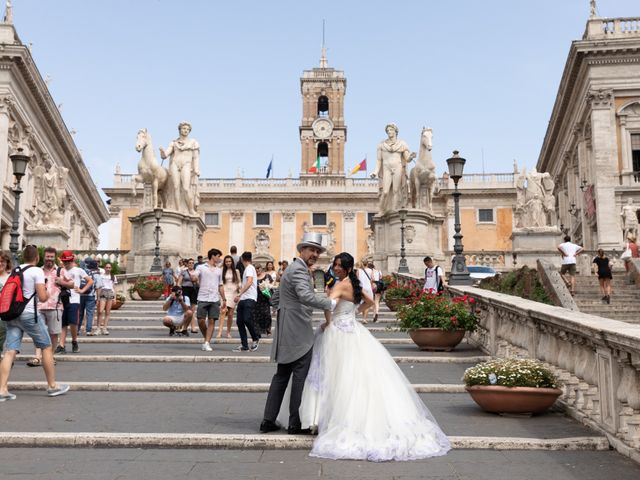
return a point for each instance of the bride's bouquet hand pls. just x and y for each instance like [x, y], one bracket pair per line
[324, 326]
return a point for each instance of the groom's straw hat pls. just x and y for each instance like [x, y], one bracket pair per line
[312, 239]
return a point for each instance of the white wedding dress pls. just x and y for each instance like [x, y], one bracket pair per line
[360, 401]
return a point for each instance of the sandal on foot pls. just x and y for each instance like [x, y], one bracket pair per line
[34, 362]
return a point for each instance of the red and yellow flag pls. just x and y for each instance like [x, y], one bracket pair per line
[361, 166]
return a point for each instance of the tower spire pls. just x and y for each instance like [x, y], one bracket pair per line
[323, 51]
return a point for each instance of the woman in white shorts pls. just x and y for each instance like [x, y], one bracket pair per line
[106, 295]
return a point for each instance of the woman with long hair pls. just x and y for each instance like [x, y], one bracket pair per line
[5, 270]
[231, 281]
[189, 289]
[107, 294]
[262, 311]
[355, 394]
[270, 270]
[602, 268]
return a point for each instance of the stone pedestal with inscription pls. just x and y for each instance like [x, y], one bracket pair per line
[421, 238]
[531, 244]
[51, 237]
[180, 237]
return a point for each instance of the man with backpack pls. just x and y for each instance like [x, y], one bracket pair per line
[88, 298]
[18, 308]
[71, 312]
[433, 277]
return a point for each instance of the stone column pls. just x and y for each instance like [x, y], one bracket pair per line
[288, 244]
[349, 233]
[605, 161]
[450, 227]
[5, 102]
[236, 235]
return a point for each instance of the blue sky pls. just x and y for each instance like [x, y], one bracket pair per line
[482, 74]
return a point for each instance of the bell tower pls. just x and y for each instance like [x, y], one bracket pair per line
[322, 131]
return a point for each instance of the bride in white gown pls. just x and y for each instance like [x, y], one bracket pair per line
[356, 395]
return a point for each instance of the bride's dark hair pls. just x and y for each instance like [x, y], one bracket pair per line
[346, 262]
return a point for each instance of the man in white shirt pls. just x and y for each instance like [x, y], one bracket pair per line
[433, 276]
[33, 288]
[569, 251]
[246, 301]
[71, 312]
[209, 277]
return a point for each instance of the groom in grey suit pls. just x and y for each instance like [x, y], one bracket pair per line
[294, 337]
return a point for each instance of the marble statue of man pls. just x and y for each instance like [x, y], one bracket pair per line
[629, 219]
[184, 169]
[391, 168]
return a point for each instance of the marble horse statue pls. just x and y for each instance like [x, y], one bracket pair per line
[422, 178]
[149, 170]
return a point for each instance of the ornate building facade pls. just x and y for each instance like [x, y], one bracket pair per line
[592, 144]
[60, 206]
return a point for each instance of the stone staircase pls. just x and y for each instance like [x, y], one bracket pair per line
[140, 397]
[625, 299]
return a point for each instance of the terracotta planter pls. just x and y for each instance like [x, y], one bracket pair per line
[497, 399]
[149, 294]
[394, 303]
[436, 338]
[116, 304]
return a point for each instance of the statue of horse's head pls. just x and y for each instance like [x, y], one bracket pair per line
[142, 140]
[426, 138]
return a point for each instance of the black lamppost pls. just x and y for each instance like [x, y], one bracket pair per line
[19, 162]
[459, 273]
[402, 267]
[156, 266]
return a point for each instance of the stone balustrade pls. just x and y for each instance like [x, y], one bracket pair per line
[596, 359]
[500, 260]
[608, 28]
[479, 180]
[106, 256]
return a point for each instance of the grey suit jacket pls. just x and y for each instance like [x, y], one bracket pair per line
[296, 301]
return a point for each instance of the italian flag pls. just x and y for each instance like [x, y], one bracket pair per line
[361, 166]
[315, 168]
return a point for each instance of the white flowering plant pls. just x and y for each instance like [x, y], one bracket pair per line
[511, 372]
[266, 287]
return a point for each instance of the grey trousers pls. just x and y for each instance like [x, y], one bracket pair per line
[298, 369]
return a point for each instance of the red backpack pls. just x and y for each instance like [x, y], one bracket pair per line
[12, 301]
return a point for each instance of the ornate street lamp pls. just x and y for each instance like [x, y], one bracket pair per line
[19, 162]
[402, 267]
[459, 273]
[156, 266]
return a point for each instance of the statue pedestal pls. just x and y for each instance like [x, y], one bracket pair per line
[53, 237]
[422, 237]
[531, 244]
[180, 237]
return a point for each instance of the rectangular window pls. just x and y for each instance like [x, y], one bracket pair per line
[635, 151]
[319, 219]
[370, 216]
[485, 215]
[263, 219]
[211, 219]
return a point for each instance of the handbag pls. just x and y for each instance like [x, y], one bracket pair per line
[626, 254]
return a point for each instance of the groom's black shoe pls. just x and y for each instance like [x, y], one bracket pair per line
[299, 431]
[268, 426]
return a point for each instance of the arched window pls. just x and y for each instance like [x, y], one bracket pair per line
[323, 155]
[323, 106]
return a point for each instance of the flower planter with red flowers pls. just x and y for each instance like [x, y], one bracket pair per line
[437, 321]
[149, 288]
[398, 294]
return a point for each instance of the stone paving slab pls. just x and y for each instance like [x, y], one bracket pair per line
[238, 413]
[160, 332]
[168, 464]
[219, 372]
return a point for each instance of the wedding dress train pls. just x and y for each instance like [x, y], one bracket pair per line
[360, 401]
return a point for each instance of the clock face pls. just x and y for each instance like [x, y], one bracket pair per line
[322, 128]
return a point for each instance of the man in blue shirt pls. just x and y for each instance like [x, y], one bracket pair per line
[178, 308]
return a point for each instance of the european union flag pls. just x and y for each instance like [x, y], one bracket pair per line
[269, 168]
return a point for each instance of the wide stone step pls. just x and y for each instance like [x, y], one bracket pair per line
[239, 413]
